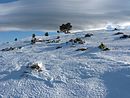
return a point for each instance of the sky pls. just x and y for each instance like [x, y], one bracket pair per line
[31, 15]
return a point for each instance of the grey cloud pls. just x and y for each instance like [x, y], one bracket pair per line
[7, 1]
[49, 14]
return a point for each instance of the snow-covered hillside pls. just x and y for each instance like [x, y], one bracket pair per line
[67, 72]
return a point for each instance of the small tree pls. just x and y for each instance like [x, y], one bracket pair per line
[66, 27]
[103, 47]
[33, 41]
[15, 39]
[46, 34]
[58, 31]
[33, 35]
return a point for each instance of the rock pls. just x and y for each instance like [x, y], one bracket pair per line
[88, 35]
[81, 49]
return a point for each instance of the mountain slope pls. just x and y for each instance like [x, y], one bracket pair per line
[67, 73]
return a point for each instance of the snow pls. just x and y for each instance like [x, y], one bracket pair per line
[67, 73]
[111, 26]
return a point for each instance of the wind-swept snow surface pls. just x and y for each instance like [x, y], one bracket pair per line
[66, 72]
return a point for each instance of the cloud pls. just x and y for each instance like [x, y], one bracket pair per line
[7, 1]
[49, 14]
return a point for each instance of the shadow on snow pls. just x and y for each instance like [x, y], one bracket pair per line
[19, 74]
[118, 83]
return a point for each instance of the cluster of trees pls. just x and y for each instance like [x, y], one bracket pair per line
[65, 28]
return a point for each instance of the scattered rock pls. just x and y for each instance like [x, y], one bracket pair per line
[88, 35]
[81, 49]
[115, 29]
[125, 36]
[77, 40]
[58, 37]
[58, 47]
[118, 33]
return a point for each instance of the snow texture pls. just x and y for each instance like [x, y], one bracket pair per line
[67, 73]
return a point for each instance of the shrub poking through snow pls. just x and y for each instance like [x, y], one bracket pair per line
[11, 48]
[46, 34]
[33, 41]
[20, 47]
[125, 36]
[103, 47]
[58, 37]
[58, 47]
[15, 39]
[58, 31]
[88, 35]
[8, 49]
[81, 49]
[71, 40]
[33, 35]
[118, 33]
[36, 66]
[53, 41]
[106, 49]
[77, 40]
